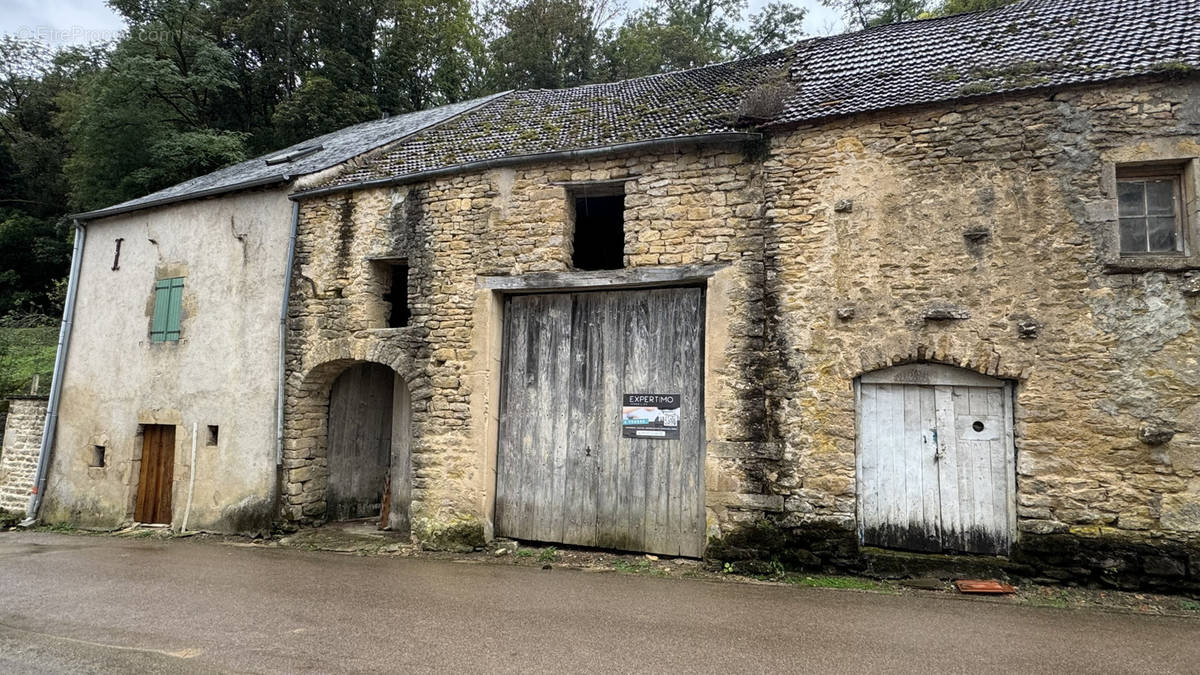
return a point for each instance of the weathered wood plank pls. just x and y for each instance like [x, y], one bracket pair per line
[949, 479]
[692, 520]
[399, 517]
[577, 480]
[359, 448]
[640, 277]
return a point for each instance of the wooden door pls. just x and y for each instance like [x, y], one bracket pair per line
[360, 441]
[936, 462]
[156, 476]
[564, 471]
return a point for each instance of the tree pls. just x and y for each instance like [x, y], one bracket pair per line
[866, 13]
[960, 6]
[545, 44]
[34, 248]
[161, 94]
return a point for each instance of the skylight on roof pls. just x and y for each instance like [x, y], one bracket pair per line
[293, 155]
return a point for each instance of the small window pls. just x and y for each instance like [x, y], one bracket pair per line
[214, 435]
[97, 456]
[1150, 209]
[599, 242]
[168, 299]
[397, 295]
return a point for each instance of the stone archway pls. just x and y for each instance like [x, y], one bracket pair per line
[359, 446]
[348, 433]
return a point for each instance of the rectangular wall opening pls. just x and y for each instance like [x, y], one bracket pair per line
[97, 456]
[599, 242]
[214, 434]
[397, 295]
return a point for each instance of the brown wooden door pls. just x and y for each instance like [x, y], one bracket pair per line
[360, 441]
[157, 474]
[565, 471]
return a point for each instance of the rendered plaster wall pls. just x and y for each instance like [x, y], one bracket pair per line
[685, 207]
[232, 252]
[1000, 212]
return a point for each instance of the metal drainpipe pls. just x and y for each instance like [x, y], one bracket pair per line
[287, 289]
[60, 362]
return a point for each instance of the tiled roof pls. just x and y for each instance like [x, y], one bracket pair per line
[335, 148]
[1027, 45]
[1030, 44]
[701, 101]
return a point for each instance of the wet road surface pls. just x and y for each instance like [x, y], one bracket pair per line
[103, 604]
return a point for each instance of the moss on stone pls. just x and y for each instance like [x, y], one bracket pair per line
[976, 89]
[458, 535]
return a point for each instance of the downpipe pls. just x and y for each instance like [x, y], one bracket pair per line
[60, 363]
[283, 312]
[187, 511]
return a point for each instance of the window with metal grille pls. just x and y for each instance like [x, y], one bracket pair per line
[1150, 209]
[168, 301]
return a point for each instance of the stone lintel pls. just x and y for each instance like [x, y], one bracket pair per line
[637, 277]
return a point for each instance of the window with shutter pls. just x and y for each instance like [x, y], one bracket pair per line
[168, 300]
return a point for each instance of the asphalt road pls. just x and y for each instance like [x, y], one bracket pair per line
[99, 604]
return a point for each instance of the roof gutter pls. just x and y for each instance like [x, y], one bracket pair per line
[118, 210]
[700, 139]
[60, 363]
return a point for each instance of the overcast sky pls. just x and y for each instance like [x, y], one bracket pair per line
[77, 21]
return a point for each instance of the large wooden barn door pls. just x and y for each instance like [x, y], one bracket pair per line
[360, 441]
[156, 475]
[936, 463]
[565, 473]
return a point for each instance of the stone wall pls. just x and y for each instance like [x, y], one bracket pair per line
[976, 234]
[684, 207]
[19, 456]
[1001, 212]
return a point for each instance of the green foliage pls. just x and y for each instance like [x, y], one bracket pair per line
[27, 345]
[158, 97]
[959, 6]
[548, 554]
[867, 13]
[319, 107]
[558, 43]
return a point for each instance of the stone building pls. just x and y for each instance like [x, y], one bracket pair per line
[165, 405]
[931, 298]
[930, 287]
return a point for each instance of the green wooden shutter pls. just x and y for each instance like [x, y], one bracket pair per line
[168, 301]
[174, 306]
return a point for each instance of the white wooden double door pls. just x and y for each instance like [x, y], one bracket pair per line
[936, 463]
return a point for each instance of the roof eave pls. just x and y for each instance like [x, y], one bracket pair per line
[175, 199]
[578, 153]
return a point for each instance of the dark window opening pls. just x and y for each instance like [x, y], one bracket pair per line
[397, 295]
[599, 231]
[97, 456]
[214, 434]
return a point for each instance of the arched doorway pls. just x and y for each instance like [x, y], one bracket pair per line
[368, 447]
[936, 462]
